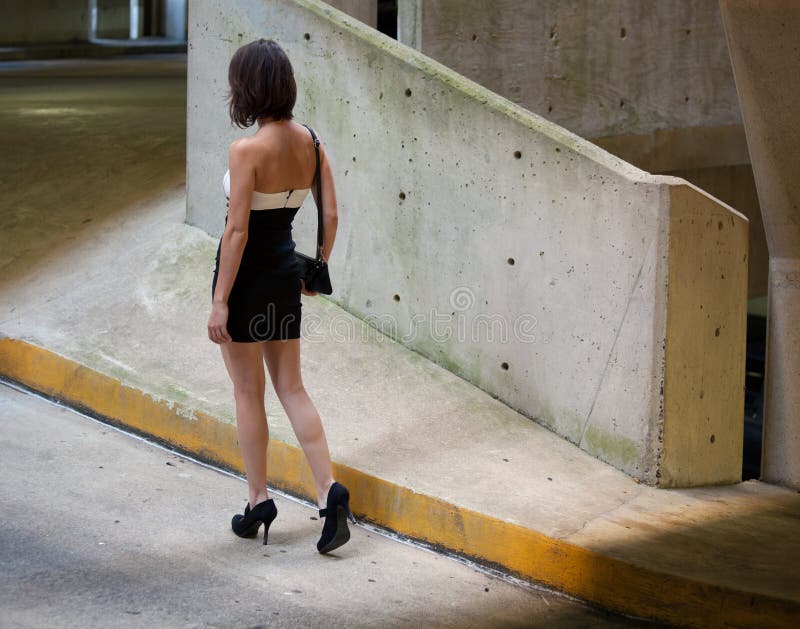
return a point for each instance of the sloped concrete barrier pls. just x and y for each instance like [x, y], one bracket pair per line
[605, 303]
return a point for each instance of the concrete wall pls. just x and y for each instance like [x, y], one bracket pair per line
[596, 68]
[581, 291]
[363, 10]
[40, 21]
[736, 186]
[651, 82]
[175, 19]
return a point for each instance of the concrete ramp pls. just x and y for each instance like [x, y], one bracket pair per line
[603, 303]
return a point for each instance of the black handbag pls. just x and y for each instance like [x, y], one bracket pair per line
[314, 271]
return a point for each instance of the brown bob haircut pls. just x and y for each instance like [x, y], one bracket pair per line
[261, 83]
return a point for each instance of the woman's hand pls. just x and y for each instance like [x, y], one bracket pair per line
[218, 322]
[305, 291]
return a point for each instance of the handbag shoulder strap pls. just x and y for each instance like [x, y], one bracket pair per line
[318, 178]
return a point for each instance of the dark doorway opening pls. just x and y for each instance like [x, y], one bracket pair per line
[387, 17]
[754, 395]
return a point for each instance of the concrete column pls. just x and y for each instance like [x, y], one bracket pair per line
[135, 20]
[409, 23]
[175, 19]
[763, 42]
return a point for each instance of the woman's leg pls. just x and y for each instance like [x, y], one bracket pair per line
[283, 362]
[246, 369]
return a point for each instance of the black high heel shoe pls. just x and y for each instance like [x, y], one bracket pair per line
[337, 511]
[247, 525]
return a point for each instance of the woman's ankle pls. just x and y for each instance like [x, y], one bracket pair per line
[322, 494]
[258, 498]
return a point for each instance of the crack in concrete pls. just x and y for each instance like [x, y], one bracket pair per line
[596, 516]
[616, 338]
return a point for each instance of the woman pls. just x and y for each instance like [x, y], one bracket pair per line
[256, 310]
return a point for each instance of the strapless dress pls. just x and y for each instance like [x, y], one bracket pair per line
[264, 302]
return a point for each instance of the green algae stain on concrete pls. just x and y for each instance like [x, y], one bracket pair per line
[609, 447]
[565, 422]
[176, 393]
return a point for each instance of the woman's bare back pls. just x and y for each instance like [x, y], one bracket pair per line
[285, 157]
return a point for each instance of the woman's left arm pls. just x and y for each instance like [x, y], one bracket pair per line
[330, 209]
[234, 238]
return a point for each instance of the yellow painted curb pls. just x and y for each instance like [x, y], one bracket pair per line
[607, 581]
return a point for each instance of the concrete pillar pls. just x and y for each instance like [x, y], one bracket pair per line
[175, 19]
[763, 40]
[135, 25]
[409, 23]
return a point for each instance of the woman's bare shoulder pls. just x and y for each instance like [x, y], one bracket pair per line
[241, 146]
[304, 128]
[248, 150]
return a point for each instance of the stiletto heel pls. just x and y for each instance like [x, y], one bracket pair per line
[336, 513]
[247, 525]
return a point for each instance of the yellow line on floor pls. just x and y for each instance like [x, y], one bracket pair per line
[604, 580]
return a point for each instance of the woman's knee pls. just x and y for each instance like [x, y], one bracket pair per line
[249, 391]
[246, 370]
[288, 392]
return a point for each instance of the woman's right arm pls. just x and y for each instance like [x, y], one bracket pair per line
[234, 238]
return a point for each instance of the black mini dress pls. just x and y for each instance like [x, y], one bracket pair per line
[264, 302]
